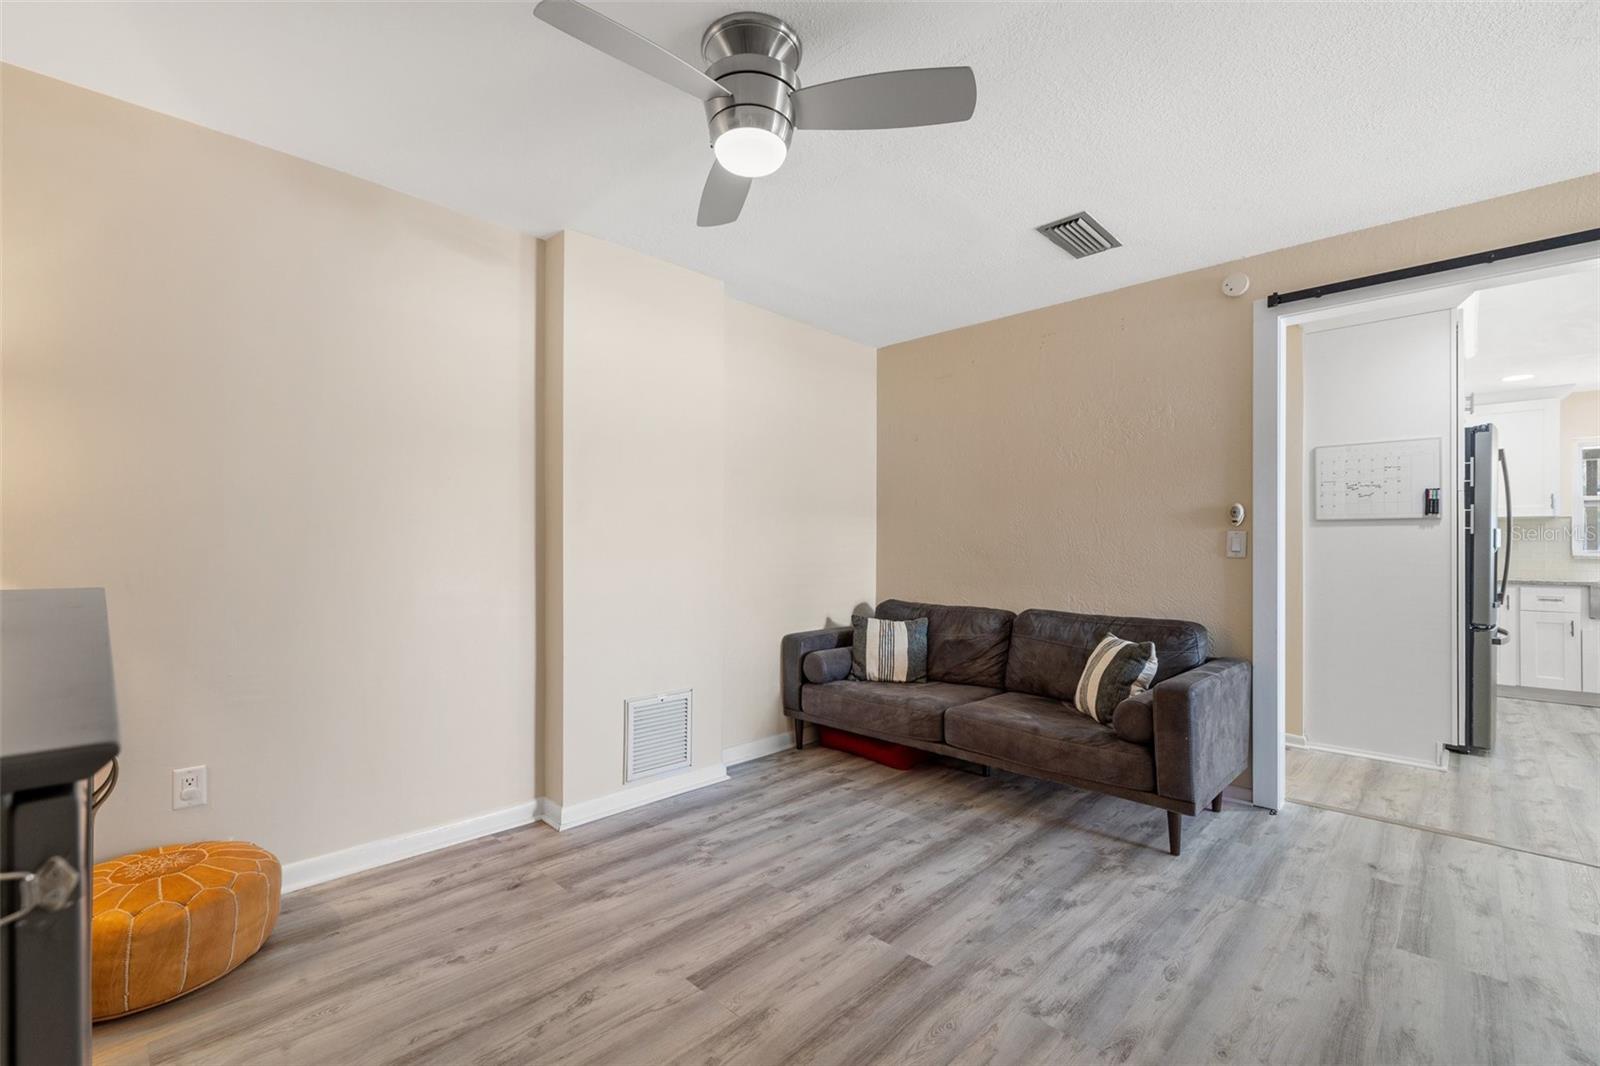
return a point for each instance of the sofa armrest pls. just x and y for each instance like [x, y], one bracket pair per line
[1202, 729]
[796, 646]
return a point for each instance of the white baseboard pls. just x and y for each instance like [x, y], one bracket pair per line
[1294, 740]
[313, 871]
[319, 868]
[757, 749]
[626, 799]
[1440, 765]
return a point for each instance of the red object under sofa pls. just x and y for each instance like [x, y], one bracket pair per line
[890, 754]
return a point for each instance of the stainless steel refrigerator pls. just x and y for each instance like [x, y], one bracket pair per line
[58, 725]
[1486, 547]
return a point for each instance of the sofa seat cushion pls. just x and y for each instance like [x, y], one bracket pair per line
[914, 711]
[1045, 735]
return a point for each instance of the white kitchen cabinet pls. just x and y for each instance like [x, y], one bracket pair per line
[1590, 637]
[1530, 434]
[1507, 656]
[1551, 650]
[1563, 599]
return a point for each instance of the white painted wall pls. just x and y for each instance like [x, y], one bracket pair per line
[709, 485]
[640, 503]
[296, 445]
[286, 419]
[1380, 623]
[802, 493]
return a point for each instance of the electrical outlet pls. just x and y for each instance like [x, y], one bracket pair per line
[189, 787]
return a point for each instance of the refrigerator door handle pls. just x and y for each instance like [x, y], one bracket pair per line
[1505, 549]
[48, 888]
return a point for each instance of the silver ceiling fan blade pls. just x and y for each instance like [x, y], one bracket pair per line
[890, 100]
[619, 42]
[723, 197]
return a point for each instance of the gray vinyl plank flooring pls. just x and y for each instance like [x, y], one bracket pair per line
[1537, 790]
[819, 908]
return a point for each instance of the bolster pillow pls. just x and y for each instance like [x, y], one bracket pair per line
[831, 664]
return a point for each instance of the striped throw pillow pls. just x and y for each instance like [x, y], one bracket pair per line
[1116, 669]
[881, 650]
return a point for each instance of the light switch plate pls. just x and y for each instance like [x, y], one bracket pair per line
[1238, 544]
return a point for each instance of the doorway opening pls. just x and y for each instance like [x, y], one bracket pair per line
[1365, 568]
[1435, 536]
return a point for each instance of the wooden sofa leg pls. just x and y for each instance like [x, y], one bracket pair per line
[1216, 802]
[1174, 832]
[799, 734]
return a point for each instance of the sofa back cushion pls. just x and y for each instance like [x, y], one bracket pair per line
[1050, 648]
[966, 645]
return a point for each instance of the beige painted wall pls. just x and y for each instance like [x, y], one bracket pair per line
[286, 419]
[801, 500]
[1084, 455]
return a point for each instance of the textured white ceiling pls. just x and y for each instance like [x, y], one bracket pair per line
[1548, 327]
[1196, 132]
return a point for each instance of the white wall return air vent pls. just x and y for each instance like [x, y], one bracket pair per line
[656, 731]
[1080, 235]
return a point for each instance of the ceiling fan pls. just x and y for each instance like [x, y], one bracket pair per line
[754, 100]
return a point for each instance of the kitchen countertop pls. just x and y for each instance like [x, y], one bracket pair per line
[1578, 583]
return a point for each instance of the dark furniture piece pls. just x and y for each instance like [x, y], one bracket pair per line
[999, 691]
[58, 725]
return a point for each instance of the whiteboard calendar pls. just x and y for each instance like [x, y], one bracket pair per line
[1386, 479]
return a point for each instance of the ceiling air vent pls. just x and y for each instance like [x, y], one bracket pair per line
[657, 731]
[1080, 235]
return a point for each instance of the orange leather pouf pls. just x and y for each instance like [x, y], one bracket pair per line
[174, 918]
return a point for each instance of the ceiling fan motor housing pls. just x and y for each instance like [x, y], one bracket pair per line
[753, 56]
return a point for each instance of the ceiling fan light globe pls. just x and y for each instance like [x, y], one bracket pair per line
[750, 151]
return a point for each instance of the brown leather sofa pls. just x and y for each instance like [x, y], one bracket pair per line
[999, 691]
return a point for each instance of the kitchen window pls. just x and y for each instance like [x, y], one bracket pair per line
[1586, 503]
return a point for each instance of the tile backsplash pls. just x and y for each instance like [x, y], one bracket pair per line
[1541, 550]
